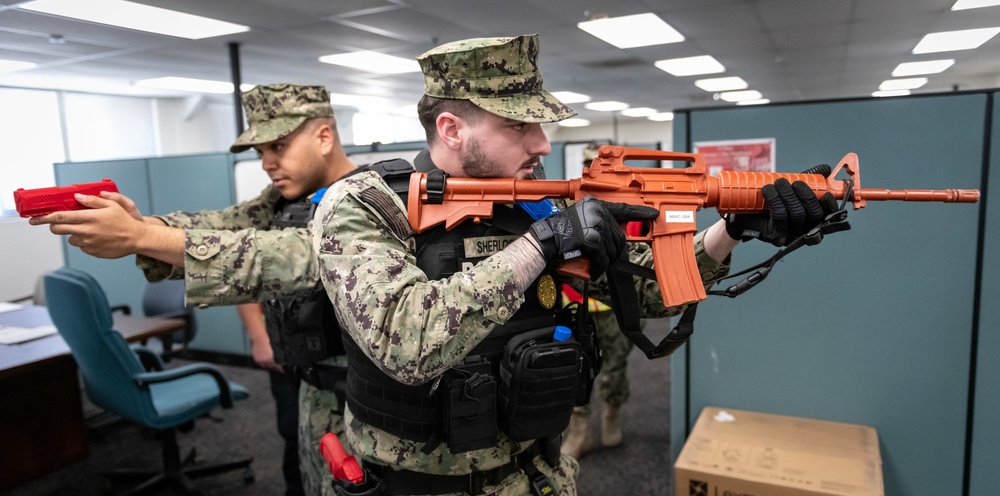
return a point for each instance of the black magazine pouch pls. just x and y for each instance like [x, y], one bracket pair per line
[539, 383]
[470, 406]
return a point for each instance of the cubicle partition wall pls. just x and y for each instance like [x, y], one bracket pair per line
[984, 433]
[159, 186]
[892, 324]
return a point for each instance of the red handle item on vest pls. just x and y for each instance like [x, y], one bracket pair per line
[342, 465]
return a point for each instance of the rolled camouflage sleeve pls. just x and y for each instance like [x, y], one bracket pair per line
[233, 267]
[231, 257]
[412, 328]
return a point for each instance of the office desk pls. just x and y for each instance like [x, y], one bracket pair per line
[41, 413]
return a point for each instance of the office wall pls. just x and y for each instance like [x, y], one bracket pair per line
[875, 325]
[197, 124]
[26, 252]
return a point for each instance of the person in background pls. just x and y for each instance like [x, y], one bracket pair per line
[612, 382]
[258, 250]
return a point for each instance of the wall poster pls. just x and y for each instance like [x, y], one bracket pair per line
[748, 155]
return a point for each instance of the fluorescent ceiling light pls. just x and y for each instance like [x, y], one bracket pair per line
[606, 106]
[188, 84]
[691, 66]
[973, 4]
[754, 102]
[926, 67]
[721, 84]
[891, 93]
[947, 41]
[137, 16]
[638, 112]
[570, 97]
[574, 122]
[376, 62]
[739, 96]
[661, 117]
[632, 31]
[902, 84]
[14, 65]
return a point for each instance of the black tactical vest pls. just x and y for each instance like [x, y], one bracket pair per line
[414, 412]
[303, 329]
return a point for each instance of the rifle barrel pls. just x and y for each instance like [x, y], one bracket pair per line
[923, 195]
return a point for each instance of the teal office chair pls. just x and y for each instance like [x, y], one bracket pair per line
[166, 299]
[116, 380]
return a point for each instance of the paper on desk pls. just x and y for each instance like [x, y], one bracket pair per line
[7, 307]
[17, 335]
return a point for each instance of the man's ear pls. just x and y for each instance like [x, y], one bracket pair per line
[449, 130]
[327, 138]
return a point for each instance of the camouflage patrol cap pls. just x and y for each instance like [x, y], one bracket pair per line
[590, 152]
[275, 110]
[499, 75]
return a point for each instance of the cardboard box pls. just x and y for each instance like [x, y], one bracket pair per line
[739, 453]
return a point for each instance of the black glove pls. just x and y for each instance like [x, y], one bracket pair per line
[590, 227]
[793, 210]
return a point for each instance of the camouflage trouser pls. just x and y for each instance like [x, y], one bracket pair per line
[612, 383]
[317, 416]
[563, 478]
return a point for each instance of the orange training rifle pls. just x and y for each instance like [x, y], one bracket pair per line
[676, 192]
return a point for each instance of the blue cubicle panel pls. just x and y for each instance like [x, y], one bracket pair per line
[874, 325]
[984, 476]
[119, 277]
[191, 183]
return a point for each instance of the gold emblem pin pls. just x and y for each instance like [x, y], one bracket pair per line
[547, 291]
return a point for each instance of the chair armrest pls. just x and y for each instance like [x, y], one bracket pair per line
[124, 309]
[179, 314]
[150, 360]
[225, 397]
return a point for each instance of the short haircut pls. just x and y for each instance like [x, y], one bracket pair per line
[430, 107]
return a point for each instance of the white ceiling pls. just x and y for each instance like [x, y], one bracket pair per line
[787, 49]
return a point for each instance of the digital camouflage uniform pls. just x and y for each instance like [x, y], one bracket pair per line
[232, 257]
[412, 328]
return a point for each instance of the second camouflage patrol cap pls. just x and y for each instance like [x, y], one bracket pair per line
[590, 152]
[499, 75]
[275, 110]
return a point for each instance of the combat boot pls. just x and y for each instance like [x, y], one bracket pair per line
[578, 442]
[611, 427]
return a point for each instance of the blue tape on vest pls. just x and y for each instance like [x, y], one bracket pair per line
[539, 210]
